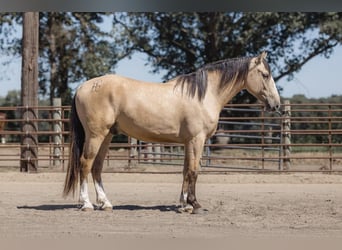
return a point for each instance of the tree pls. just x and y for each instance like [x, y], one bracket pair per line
[181, 42]
[29, 89]
[72, 48]
[12, 99]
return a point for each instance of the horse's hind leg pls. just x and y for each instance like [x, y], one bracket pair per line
[90, 150]
[101, 197]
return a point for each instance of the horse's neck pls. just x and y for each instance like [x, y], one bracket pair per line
[225, 94]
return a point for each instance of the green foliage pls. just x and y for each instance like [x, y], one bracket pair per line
[12, 99]
[316, 117]
[72, 49]
[181, 42]
[9, 42]
[73, 46]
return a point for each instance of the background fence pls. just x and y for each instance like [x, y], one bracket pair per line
[305, 137]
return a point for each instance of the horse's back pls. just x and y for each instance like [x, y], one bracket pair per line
[146, 111]
[129, 104]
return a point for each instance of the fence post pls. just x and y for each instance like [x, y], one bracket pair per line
[149, 154]
[286, 134]
[132, 150]
[269, 135]
[157, 153]
[57, 128]
[2, 127]
[330, 139]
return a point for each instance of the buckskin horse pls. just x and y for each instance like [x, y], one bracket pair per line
[183, 110]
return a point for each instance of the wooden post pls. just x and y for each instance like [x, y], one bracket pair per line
[57, 129]
[269, 134]
[132, 150]
[157, 151]
[149, 154]
[286, 135]
[29, 92]
[2, 127]
[330, 139]
[263, 139]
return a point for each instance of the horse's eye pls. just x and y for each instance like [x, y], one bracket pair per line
[265, 75]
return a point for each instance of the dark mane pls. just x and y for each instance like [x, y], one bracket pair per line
[196, 82]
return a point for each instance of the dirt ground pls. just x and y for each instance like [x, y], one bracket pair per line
[293, 205]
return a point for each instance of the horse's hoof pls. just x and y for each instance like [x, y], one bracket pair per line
[105, 206]
[87, 209]
[199, 211]
[107, 209]
[186, 209]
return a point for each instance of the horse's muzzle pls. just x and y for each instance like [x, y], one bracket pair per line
[272, 107]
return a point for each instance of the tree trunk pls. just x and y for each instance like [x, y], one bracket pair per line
[52, 56]
[29, 92]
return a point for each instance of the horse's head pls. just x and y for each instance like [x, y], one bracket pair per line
[260, 83]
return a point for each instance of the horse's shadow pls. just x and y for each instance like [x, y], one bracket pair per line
[49, 207]
[161, 208]
[55, 207]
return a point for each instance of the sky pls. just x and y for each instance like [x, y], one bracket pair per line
[320, 77]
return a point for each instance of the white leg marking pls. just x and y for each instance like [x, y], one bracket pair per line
[185, 207]
[101, 197]
[84, 197]
[184, 198]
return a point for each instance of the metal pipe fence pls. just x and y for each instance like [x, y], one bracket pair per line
[305, 137]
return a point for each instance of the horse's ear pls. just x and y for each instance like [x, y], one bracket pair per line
[261, 57]
[264, 55]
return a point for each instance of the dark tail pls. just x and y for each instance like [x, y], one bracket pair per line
[76, 148]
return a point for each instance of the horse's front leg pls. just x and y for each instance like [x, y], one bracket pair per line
[185, 206]
[193, 154]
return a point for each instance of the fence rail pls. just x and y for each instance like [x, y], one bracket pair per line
[306, 137]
